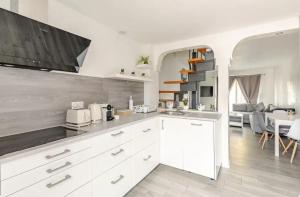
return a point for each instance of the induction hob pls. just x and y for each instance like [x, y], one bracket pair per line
[18, 142]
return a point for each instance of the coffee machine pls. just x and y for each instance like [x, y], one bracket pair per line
[108, 113]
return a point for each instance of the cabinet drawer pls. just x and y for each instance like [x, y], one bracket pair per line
[145, 134]
[31, 177]
[145, 162]
[111, 158]
[61, 184]
[26, 163]
[116, 182]
[83, 191]
[110, 140]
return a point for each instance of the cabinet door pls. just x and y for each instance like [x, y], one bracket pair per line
[116, 182]
[172, 142]
[199, 148]
[85, 191]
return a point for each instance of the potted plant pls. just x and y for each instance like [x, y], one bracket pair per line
[185, 104]
[143, 62]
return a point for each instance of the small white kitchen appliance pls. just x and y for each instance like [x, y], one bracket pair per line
[78, 117]
[96, 114]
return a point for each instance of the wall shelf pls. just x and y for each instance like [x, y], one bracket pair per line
[144, 66]
[126, 77]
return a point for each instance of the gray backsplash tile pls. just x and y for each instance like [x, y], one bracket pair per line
[31, 100]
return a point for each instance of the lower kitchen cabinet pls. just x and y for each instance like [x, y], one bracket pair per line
[171, 149]
[116, 182]
[145, 162]
[191, 145]
[83, 191]
[198, 150]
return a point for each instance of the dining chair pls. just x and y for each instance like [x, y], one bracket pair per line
[294, 137]
[257, 124]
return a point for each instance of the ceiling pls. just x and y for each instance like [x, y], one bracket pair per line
[269, 50]
[158, 21]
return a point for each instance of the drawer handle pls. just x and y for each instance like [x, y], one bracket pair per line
[118, 180]
[117, 134]
[147, 130]
[149, 157]
[50, 185]
[59, 168]
[116, 153]
[58, 154]
[196, 124]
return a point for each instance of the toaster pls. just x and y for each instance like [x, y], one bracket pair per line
[78, 117]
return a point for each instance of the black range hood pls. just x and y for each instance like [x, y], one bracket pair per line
[26, 43]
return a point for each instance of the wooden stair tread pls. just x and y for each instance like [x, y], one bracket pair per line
[196, 60]
[185, 71]
[165, 100]
[168, 91]
[175, 82]
[202, 50]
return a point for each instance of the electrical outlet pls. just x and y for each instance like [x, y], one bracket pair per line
[77, 105]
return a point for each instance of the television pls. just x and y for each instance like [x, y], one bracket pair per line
[26, 43]
[206, 91]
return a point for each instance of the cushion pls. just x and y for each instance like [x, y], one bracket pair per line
[260, 107]
[250, 108]
[239, 107]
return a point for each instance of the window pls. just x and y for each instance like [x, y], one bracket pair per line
[235, 95]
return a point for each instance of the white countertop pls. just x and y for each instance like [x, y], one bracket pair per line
[104, 127]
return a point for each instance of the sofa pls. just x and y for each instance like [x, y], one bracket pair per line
[247, 109]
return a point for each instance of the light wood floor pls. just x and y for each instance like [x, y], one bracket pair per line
[253, 172]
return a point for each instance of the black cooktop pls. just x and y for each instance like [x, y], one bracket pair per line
[18, 142]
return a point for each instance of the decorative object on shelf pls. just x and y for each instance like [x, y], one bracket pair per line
[133, 73]
[122, 71]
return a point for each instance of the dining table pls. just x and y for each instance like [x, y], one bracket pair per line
[280, 119]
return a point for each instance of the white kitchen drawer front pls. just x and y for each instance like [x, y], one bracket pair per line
[146, 133]
[199, 148]
[26, 163]
[31, 177]
[145, 162]
[116, 182]
[61, 184]
[83, 191]
[111, 158]
[112, 139]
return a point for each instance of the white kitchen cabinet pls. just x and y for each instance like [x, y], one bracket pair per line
[199, 148]
[61, 184]
[191, 145]
[172, 133]
[145, 162]
[83, 191]
[116, 182]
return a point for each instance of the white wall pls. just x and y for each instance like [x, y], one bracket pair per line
[223, 45]
[298, 87]
[171, 65]
[109, 51]
[37, 10]
[5, 4]
[277, 52]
